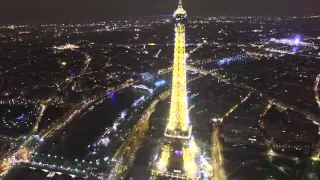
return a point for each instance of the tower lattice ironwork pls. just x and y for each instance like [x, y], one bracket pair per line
[179, 145]
[178, 125]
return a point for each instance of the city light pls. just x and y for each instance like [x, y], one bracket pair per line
[111, 95]
[297, 40]
[136, 102]
[271, 153]
[241, 98]
[143, 87]
[20, 117]
[160, 83]
[64, 63]
[164, 158]
[189, 160]
[66, 46]
[178, 123]
[228, 60]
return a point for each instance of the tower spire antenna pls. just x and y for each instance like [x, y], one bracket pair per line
[180, 2]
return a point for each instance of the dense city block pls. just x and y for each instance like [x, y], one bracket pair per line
[161, 98]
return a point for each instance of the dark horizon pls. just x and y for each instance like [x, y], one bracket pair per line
[17, 11]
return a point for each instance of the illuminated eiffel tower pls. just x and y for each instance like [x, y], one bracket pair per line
[178, 125]
[179, 152]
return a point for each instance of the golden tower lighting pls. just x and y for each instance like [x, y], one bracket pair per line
[178, 131]
[178, 125]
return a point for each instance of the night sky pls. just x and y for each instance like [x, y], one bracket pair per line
[92, 10]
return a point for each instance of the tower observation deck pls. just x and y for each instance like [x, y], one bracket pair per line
[178, 125]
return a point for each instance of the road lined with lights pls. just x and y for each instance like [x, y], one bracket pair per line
[87, 62]
[133, 141]
[314, 119]
[316, 89]
[307, 114]
[262, 125]
[217, 159]
[85, 104]
[13, 157]
[43, 107]
[235, 107]
[316, 153]
[218, 172]
[79, 109]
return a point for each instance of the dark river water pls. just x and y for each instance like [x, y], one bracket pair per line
[84, 130]
[87, 127]
[24, 173]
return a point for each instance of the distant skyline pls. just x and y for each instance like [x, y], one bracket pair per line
[24, 11]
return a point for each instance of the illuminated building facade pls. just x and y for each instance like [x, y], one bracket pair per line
[178, 124]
